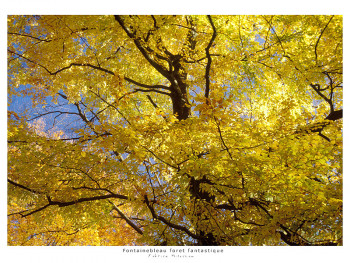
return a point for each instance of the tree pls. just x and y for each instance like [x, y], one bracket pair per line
[175, 130]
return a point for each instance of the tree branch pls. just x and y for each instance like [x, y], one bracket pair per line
[25, 35]
[88, 199]
[51, 112]
[80, 200]
[82, 65]
[130, 223]
[318, 40]
[110, 105]
[152, 102]
[143, 51]
[35, 211]
[162, 219]
[64, 68]
[207, 68]
[221, 138]
[335, 115]
[153, 90]
[23, 187]
[316, 87]
[146, 86]
[319, 126]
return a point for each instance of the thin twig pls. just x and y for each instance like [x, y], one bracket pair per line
[207, 68]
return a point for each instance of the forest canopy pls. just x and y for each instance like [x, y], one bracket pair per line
[175, 130]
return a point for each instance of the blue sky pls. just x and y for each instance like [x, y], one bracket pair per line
[54, 121]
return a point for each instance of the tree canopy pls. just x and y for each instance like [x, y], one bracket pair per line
[175, 130]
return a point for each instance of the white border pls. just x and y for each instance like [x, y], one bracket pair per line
[114, 254]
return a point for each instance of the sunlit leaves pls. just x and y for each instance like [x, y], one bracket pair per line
[254, 161]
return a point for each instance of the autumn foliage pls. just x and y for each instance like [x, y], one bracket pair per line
[175, 130]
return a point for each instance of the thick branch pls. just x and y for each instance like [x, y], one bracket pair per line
[335, 115]
[316, 87]
[319, 126]
[153, 90]
[23, 187]
[145, 85]
[35, 211]
[87, 199]
[80, 200]
[31, 61]
[152, 102]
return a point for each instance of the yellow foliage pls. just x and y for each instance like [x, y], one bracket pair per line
[175, 130]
